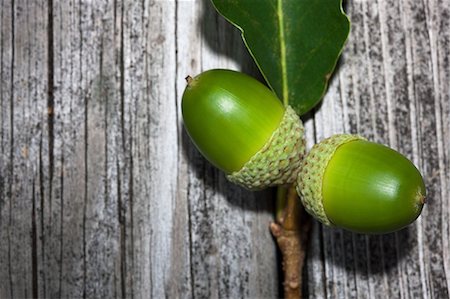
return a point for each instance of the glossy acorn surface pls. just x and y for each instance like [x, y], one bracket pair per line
[229, 116]
[370, 188]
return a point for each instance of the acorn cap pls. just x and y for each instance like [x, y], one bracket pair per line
[278, 162]
[312, 169]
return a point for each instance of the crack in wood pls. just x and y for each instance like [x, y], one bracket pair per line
[11, 151]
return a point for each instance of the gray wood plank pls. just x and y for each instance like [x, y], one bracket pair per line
[23, 102]
[232, 254]
[387, 84]
[65, 182]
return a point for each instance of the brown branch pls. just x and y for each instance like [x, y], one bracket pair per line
[291, 231]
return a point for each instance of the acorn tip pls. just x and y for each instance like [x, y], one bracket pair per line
[423, 199]
[189, 79]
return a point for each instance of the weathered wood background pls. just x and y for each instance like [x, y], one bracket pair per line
[102, 195]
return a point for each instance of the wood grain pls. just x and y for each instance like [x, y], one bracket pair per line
[102, 195]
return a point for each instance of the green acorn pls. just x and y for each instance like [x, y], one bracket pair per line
[361, 186]
[241, 127]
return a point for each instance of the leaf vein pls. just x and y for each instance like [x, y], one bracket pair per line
[284, 82]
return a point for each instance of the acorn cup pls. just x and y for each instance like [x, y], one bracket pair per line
[242, 128]
[349, 182]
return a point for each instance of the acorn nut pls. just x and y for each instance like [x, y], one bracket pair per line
[241, 127]
[361, 186]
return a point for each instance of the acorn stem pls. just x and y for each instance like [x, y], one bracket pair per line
[291, 231]
[280, 203]
[292, 211]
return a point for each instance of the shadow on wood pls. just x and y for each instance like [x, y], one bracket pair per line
[215, 179]
[227, 41]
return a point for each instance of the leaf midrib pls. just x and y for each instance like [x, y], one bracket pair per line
[284, 83]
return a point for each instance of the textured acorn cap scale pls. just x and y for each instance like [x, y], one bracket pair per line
[278, 162]
[310, 177]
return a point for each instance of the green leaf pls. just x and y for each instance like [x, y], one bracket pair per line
[295, 43]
